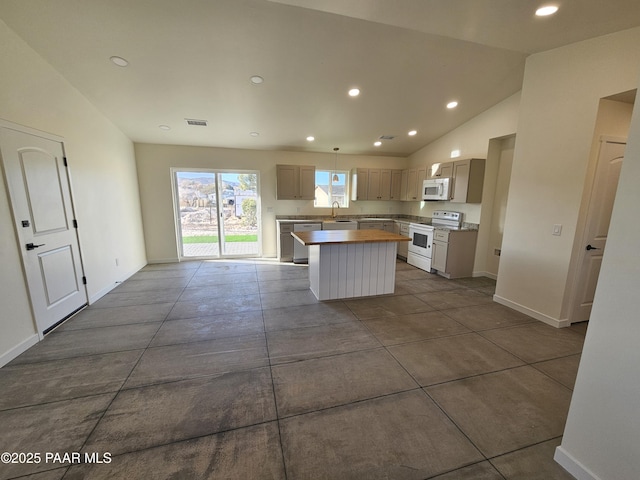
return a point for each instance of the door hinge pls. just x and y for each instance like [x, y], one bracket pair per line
[64, 161]
[84, 280]
[75, 223]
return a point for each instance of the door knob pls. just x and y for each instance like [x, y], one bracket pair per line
[589, 247]
[31, 246]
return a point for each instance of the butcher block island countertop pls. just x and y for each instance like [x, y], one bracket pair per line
[351, 263]
[331, 237]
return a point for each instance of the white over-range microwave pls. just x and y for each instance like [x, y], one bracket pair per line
[436, 189]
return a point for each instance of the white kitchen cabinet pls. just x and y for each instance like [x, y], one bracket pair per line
[359, 183]
[387, 226]
[468, 179]
[404, 182]
[379, 184]
[415, 178]
[453, 252]
[295, 182]
[396, 185]
[403, 247]
[441, 170]
[372, 183]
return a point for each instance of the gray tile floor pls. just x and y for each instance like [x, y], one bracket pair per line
[233, 370]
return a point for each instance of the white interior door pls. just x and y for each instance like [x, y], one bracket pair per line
[43, 214]
[603, 195]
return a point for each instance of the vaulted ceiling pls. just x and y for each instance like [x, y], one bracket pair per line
[193, 59]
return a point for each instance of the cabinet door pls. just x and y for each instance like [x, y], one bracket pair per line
[412, 192]
[396, 185]
[439, 256]
[373, 190]
[421, 174]
[360, 180]
[385, 184]
[460, 180]
[404, 182]
[287, 181]
[446, 170]
[307, 183]
[369, 226]
[286, 247]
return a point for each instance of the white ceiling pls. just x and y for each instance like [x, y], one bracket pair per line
[193, 59]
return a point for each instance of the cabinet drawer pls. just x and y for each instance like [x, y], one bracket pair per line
[370, 226]
[286, 227]
[441, 235]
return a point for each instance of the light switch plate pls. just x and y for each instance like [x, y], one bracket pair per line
[557, 229]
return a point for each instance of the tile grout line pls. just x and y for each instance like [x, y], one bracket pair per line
[273, 387]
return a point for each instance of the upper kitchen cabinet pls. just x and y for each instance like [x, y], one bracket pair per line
[359, 183]
[295, 182]
[415, 177]
[468, 179]
[375, 184]
[396, 185]
[441, 170]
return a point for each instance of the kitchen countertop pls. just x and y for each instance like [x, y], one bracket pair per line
[329, 237]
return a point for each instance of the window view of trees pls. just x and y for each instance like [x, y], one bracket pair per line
[200, 212]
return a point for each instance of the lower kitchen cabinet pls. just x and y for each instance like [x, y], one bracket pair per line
[403, 247]
[453, 252]
[285, 242]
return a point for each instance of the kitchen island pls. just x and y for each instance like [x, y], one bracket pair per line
[351, 263]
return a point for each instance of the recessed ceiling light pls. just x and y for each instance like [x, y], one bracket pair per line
[354, 92]
[119, 61]
[412, 133]
[164, 127]
[254, 134]
[377, 144]
[546, 10]
[451, 105]
[256, 79]
[310, 138]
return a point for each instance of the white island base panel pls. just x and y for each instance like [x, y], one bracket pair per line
[352, 269]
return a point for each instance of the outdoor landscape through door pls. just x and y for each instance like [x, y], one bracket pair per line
[218, 213]
[38, 185]
[603, 195]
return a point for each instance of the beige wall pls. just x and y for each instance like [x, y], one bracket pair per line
[103, 176]
[155, 162]
[602, 433]
[560, 98]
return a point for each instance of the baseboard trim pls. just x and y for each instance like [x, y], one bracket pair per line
[164, 260]
[571, 465]
[98, 295]
[485, 274]
[22, 347]
[554, 322]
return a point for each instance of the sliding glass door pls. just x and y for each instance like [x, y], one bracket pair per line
[218, 213]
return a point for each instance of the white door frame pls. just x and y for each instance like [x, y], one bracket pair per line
[584, 237]
[23, 259]
[220, 228]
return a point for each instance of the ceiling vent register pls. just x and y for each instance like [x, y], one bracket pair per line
[197, 123]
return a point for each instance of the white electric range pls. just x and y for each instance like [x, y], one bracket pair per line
[420, 247]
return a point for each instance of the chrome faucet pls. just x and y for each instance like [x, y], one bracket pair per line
[333, 213]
